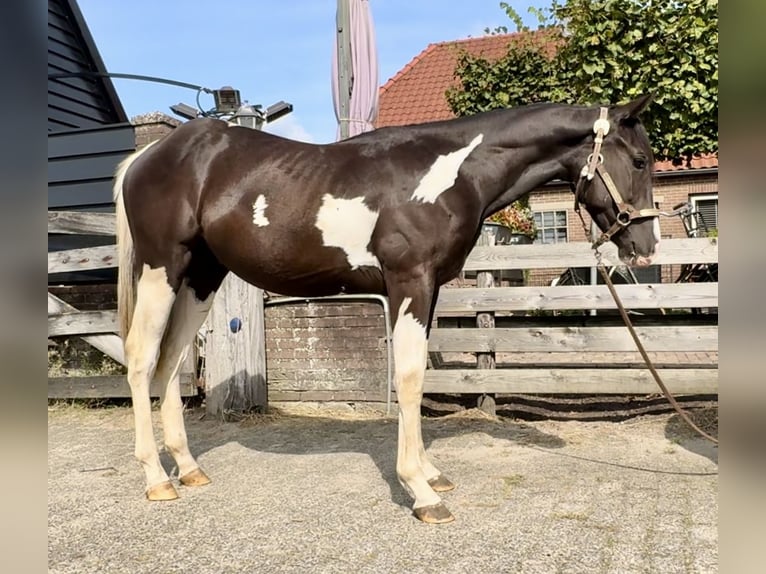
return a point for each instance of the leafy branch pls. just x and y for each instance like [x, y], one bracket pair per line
[596, 51]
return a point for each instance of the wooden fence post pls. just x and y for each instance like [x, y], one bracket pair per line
[486, 401]
[235, 351]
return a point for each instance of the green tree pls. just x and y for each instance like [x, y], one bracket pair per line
[596, 51]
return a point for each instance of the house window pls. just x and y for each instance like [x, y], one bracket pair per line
[706, 212]
[551, 226]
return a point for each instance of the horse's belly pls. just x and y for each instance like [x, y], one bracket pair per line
[300, 276]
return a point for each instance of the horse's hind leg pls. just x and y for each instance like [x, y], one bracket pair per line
[189, 312]
[154, 301]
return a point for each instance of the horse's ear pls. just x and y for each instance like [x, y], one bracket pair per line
[632, 109]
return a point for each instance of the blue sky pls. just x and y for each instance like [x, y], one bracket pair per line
[269, 50]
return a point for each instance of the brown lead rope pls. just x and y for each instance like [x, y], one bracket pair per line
[625, 216]
[644, 354]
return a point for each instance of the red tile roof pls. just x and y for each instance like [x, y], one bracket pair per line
[416, 93]
[703, 161]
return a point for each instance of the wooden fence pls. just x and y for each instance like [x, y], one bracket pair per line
[97, 328]
[541, 329]
[570, 339]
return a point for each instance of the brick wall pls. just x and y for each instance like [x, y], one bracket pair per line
[668, 192]
[92, 297]
[326, 345]
[152, 126]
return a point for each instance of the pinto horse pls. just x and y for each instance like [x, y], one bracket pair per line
[394, 211]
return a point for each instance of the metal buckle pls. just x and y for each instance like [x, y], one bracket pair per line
[590, 158]
[623, 217]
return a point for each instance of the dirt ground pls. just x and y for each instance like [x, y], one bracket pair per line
[317, 492]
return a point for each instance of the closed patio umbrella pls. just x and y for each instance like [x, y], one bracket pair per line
[354, 69]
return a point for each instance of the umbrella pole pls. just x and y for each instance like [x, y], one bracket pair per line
[343, 30]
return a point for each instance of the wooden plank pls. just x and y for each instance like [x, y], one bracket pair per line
[83, 323]
[647, 296]
[108, 344]
[110, 138]
[574, 338]
[75, 194]
[235, 362]
[580, 254]
[81, 222]
[74, 168]
[102, 257]
[72, 120]
[326, 395]
[90, 107]
[570, 381]
[107, 386]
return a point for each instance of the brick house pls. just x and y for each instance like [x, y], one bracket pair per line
[416, 94]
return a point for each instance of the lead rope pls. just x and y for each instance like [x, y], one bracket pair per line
[637, 340]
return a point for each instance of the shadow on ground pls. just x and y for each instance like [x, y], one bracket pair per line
[680, 432]
[292, 434]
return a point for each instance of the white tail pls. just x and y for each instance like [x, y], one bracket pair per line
[126, 271]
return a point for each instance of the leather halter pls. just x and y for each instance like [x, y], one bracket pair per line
[626, 213]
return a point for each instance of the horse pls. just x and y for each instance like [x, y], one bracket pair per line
[394, 211]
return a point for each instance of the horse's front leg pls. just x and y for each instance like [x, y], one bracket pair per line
[412, 303]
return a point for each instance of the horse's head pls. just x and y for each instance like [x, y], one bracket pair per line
[615, 183]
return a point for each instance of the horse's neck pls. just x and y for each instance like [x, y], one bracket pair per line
[527, 152]
[521, 177]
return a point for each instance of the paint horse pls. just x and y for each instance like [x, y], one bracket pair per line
[394, 211]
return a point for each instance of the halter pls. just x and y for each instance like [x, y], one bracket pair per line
[626, 213]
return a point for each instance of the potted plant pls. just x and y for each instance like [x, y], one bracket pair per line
[513, 224]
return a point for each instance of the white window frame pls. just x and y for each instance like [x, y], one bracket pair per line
[552, 208]
[693, 199]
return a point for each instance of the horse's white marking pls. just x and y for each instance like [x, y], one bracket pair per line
[259, 211]
[410, 352]
[656, 230]
[348, 224]
[187, 316]
[409, 339]
[443, 173]
[154, 301]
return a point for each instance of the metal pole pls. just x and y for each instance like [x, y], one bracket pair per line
[343, 29]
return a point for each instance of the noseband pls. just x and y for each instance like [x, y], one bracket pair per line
[626, 213]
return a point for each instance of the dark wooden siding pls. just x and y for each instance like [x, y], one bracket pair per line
[88, 131]
[76, 102]
[81, 166]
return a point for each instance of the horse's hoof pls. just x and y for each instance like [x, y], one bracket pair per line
[434, 514]
[194, 478]
[162, 491]
[441, 483]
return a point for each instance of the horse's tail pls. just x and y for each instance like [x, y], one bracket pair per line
[127, 274]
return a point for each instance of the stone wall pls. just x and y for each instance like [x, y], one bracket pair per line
[152, 126]
[327, 346]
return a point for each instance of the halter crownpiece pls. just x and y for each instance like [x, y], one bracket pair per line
[600, 128]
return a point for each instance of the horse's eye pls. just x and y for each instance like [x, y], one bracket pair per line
[639, 162]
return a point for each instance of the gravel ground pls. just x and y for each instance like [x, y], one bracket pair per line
[318, 493]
